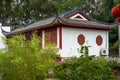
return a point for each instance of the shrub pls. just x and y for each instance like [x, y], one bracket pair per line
[24, 60]
[84, 67]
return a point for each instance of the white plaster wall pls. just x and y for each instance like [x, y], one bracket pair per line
[7, 29]
[70, 45]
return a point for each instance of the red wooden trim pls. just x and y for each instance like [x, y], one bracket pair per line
[60, 36]
[85, 16]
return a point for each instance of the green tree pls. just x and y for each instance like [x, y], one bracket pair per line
[24, 60]
[113, 42]
[5, 9]
[106, 8]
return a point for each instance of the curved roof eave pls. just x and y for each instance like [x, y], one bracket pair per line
[87, 24]
[37, 25]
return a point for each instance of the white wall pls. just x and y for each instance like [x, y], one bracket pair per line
[70, 45]
[7, 29]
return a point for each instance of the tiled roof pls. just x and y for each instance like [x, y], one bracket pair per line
[35, 25]
[63, 20]
[87, 24]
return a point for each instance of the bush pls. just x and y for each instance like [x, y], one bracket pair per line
[24, 60]
[84, 67]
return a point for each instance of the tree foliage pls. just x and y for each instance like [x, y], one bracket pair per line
[24, 60]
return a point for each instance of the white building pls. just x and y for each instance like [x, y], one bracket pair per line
[6, 27]
[70, 31]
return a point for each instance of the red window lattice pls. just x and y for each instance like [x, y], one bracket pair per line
[81, 39]
[99, 40]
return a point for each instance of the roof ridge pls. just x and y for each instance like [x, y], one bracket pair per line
[63, 15]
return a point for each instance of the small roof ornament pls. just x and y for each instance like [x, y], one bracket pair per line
[116, 12]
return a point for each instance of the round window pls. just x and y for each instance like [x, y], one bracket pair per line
[99, 40]
[81, 39]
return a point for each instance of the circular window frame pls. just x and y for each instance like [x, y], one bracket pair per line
[81, 39]
[99, 40]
